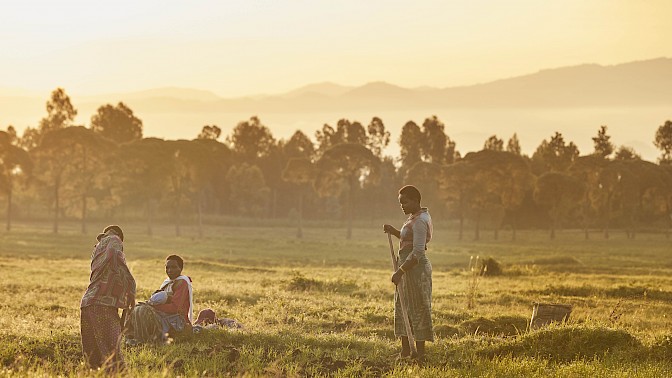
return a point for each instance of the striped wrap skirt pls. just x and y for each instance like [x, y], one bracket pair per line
[417, 287]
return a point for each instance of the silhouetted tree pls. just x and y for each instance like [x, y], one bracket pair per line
[494, 144]
[249, 192]
[559, 193]
[342, 169]
[627, 153]
[301, 172]
[147, 161]
[60, 112]
[435, 140]
[30, 139]
[251, 140]
[299, 146]
[70, 160]
[14, 164]
[117, 123]
[210, 132]
[603, 147]
[664, 141]
[378, 138]
[587, 169]
[410, 143]
[513, 145]
[554, 155]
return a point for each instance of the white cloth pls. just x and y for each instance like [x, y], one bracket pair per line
[167, 285]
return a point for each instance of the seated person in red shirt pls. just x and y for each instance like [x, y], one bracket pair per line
[168, 312]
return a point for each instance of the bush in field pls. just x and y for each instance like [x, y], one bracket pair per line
[568, 343]
[299, 282]
[498, 326]
[490, 267]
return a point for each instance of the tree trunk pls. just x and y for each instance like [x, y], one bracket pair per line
[149, 216]
[9, 207]
[348, 201]
[606, 219]
[177, 216]
[553, 229]
[57, 207]
[461, 227]
[299, 230]
[84, 214]
[513, 229]
[200, 217]
[477, 234]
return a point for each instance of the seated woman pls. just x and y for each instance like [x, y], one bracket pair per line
[168, 312]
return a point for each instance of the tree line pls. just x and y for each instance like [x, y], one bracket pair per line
[109, 168]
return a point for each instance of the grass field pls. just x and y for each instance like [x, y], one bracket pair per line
[323, 305]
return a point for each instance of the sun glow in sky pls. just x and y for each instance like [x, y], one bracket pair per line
[237, 48]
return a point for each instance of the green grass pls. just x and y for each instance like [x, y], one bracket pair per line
[322, 306]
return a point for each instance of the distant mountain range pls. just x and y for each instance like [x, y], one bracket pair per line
[633, 99]
[641, 83]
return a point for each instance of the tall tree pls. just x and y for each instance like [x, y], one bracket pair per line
[251, 140]
[341, 170]
[249, 193]
[210, 132]
[494, 144]
[458, 187]
[435, 140]
[603, 147]
[299, 146]
[68, 161]
[60, 112]
[664, 141]
[626, 153]
[117, 123]
[147, 161]
[30, 139]
[14, 164]
[410, 144]
[559, 193]
[300, 172]
[587, 169]
[554, 155]
[425, 176]
[378, 138]
[513, 145]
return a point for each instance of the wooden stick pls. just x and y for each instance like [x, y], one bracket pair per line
[402, 300]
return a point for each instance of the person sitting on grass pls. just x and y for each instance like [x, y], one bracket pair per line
[168, 312]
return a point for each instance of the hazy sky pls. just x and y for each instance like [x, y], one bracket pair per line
[237, 48]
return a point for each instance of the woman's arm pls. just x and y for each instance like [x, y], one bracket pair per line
[388, 228]
[179, 303]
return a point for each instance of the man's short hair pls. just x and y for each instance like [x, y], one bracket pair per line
[411, 191]
[177, 259]
[116, 229]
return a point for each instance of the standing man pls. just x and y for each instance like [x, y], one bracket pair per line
[111, 287]
[416, 269]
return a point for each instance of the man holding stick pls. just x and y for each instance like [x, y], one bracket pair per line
[414, 274]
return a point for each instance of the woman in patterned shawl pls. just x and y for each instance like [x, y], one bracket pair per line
[169, 311]
[111, 286]
[416, 270]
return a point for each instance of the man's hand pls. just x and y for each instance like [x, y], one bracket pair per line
[396, 277]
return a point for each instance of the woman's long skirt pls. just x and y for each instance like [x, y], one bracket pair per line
[418, 295]
[101, 337]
